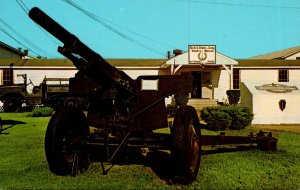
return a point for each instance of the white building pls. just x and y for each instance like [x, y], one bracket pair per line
[37, 69]
[270, 86]
[210, 81]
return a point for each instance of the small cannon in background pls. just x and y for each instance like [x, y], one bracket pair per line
[123, 114]
[15, 97]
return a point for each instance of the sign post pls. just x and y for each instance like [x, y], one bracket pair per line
[202, 54]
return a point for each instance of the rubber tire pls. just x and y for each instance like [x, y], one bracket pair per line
[12, 105]
[186, 148]
[66, 133]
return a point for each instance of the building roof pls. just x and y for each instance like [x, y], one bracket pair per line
[279, 54]
[183, 59]
[68, 63]
[267, 63]
[14, 50]
[136, 62]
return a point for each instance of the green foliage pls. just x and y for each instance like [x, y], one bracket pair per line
[233, 96]
[23, 164]
[241, 117]
[226, 117]
[42, 112]
[216, 118]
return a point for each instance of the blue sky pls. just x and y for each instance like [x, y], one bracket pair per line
[239, 28]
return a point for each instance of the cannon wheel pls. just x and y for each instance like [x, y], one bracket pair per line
[64, 142]
[186, 146]
[12, 105]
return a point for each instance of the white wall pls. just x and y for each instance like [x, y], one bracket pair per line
[266, 108]
[293, 57]
[135, 73]
[206, 92]
[223, 84]
[266, 76]
[294, 75]
[265, 105]
[262, 76]
[37, 76]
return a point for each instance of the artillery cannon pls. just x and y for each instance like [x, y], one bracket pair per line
[107, 112]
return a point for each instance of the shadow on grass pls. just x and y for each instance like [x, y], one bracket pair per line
[162, 164]
[159, 161]
[10, 124]
[219, 150]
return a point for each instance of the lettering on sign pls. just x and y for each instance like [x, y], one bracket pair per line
[202, 54]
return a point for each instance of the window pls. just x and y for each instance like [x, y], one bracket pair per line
[283, 75]
[236, 78]
[7, 76]
[149, 84]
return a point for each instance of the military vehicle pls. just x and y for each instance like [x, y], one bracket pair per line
[50, 92]
[110, 114]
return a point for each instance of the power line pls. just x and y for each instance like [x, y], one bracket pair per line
[20, 36]
[23, 6]
[26, 10]
[136, 33]
[50, 37]
[5, 32]
[91, 15]
[113, 29]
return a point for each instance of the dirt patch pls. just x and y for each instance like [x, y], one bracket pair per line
[291, 128]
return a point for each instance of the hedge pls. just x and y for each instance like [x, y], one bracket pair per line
[42, 112]
[226, 117]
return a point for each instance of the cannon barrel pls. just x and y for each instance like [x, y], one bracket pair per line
[83, 58]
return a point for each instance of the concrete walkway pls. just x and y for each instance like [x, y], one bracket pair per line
[291, 128]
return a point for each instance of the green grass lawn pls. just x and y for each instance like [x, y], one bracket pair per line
[23, 164]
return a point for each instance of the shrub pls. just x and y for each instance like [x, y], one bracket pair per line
[226, 117]
[233, 96]
[241, 117]
[42, 112]
[216, 118]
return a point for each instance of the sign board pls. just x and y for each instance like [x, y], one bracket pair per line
[202, 54]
